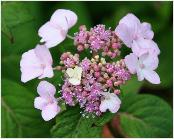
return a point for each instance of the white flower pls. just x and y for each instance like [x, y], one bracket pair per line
[144, 66]
[74, 75]
[111, 102]
[137, 35]
[54, 31]
[36, 62]
[46, 102]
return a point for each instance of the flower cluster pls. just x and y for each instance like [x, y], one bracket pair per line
[96, 76]
[98, 39]
[92, 82]
[138, 36]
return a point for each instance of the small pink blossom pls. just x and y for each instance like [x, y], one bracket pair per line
[46, 102]
[35, 63]
[54, 31]
[144, 66]
[136, 35]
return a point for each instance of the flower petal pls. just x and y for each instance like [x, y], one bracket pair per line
[149, 61]
[46, 89]
[151, 76]
[40, 103]
[52, 34]
[147, 31]
[142, 46]
[115, 103]
[47, 72]
[131, 21]
[131, 62]
[43, 53]
[50, 111]
[125, 34]
[140, 74]
[103, 106]
[30, 66]
[61, 16]
[74, 81]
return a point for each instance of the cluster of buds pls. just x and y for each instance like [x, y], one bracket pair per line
[97, 76]
[98, 39]
[69, 60]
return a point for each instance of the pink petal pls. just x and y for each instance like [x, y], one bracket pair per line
[61, 16]
[137, 50]
[140, 74]
[52, 34]
[50, 111]
[131, 21]
[46, 89]
[115, 103]
[47, 72]
[30, 66]
[103, 106]
[150, 61]
[147, 31]
[142, 46]
[151, 76]
[125, 34]
[40, 103]
[43, 54]
[131, 62]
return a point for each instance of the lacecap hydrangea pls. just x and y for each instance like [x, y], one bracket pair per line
[93, 82]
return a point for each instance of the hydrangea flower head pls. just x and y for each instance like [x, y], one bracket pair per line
[91, 82]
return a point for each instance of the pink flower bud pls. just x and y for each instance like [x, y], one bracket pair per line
[97, 74]
[96, 68]
[117, 91]
[109, 83]
[116, 45]
[80, 48]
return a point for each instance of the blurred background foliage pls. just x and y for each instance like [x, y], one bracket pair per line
[19, 25]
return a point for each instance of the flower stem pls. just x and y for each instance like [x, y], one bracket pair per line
[70, 37]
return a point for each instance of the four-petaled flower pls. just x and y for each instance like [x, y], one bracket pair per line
[54, 31]
[46, 102]
[36, 62]
[110, 102]
[74, 75]
[144, 66]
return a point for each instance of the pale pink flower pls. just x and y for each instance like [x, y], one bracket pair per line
[54, 31]
[111, 102]
[143, 66]
[46, 102]
[36, 62]
[136, 35]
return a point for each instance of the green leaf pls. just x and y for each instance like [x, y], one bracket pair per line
[132, 86]
[22, 21]
[70, 123]
[145, 116]
[12, 15]
[106, 117]
[19, 117]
